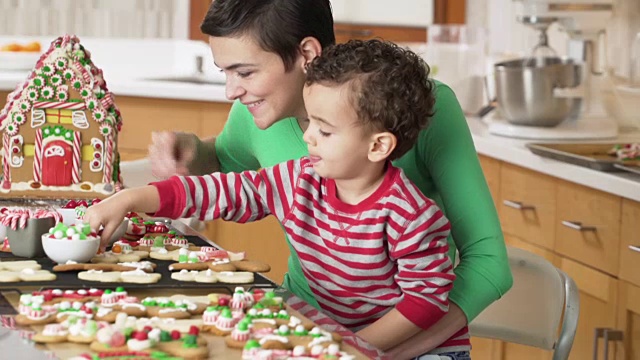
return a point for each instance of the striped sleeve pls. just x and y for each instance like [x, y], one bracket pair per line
[238, 197]
[425, 273]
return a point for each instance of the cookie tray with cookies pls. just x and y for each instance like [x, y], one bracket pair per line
[176, 265]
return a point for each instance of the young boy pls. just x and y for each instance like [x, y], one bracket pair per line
[374, 249]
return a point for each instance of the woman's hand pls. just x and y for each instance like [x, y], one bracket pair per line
[171, 153]
[108, 213]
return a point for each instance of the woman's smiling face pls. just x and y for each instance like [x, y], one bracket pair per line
[259, 79]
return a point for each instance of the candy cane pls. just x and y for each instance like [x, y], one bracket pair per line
[108, 159]
[75, 170]
[37, 156]
[7, 154]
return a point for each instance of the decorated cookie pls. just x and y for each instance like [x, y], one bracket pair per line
[19, 265]
[238, 277]
[251, 265]
[206, 276]
[100, 276]
[52, 333]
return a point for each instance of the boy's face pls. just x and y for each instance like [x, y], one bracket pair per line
[338, 142]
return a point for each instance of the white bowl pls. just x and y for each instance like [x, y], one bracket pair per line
[623, 104]
[63, 250]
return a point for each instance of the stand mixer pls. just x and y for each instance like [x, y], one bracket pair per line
[584, 22]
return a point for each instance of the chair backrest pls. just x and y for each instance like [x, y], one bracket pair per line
[531, 312]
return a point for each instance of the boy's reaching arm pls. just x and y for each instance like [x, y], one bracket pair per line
[425, 275]
[239, 197]
[110, 212]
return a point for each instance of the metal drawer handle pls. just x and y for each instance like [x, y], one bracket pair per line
[576, 225]
[608, 335]
[518, 205]
[635, 248]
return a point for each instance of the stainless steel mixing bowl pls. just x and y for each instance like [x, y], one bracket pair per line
[525, 90]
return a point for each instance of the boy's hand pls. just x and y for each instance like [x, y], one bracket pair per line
[108, 213]
[171, 153]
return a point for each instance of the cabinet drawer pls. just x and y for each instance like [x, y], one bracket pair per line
[527, 205]
[630, 242]
[345, 32]
[588, 226]
[598, 300]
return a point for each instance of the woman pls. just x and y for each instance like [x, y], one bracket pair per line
[263, 47]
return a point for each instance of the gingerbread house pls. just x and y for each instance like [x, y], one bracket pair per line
[60, 129]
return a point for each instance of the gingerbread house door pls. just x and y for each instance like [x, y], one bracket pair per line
[57, 162]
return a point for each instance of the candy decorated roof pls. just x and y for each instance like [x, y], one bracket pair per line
[65, 66]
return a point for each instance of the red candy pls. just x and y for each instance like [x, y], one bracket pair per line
[193, 330]
[175, 335]
[72, 204]
[147, 329]
[141, 336]
[223, 301]
[117, 339]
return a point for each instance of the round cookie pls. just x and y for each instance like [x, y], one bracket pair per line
[174, 313]
[164, 255]
[220, 267]
[139, 277]
[97, 275]
[36, 275]
[184, 275]
[175, 348]
[206, 276]
[238, 277]
[133, 309]
[52, 333]
[189, 266]
[20, 265]
[9, 276]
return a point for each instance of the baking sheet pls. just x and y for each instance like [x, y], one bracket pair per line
[630, 168]
[69, 280]
[590, 155]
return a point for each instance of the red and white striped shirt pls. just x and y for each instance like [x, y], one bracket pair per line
[390, 250]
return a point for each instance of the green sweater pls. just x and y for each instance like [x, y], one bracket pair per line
[443, 164]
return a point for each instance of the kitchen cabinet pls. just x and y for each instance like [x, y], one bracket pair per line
[527, 205]
[628, 323]
[630, 242]
[532, 207]
[404, 22]
[588, 226]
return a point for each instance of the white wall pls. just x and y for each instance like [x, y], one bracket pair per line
[507, 35]
[96, 18]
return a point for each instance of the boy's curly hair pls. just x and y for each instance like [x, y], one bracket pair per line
[390, 86]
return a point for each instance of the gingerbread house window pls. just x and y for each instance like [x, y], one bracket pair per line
[37, 117]
[79, 119]
[59, 116]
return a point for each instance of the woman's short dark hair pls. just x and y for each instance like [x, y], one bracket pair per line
[277, 25]
[390, 89]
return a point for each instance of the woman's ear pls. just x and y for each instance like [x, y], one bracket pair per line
[382, 145]
[310, 48]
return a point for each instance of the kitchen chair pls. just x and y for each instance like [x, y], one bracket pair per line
[540, 310]
[138, 173]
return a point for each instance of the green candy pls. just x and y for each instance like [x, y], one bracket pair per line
[165, 336]
[189, 341]
[243, 326]
[252, 344]
[119, 289]
[226, 313]
[158, 242]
